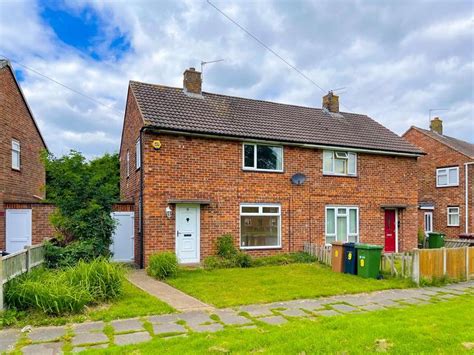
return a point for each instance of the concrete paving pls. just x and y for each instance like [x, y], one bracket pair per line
[89, 335]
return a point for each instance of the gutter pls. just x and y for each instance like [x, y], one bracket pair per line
[466, 183]
[303, 145]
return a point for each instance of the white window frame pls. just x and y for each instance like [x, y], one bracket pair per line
[138, 153]
[16, 149]
[127, 162]
[260, 213]
[453, 214]
[254, 168]
[429, 215]
[336, 207]
[335, 153]
[445, 172]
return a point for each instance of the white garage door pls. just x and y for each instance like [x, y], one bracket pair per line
[18, 223]
[123, 239]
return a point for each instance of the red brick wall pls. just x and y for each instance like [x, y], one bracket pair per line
[439, 155]
[16, 123]
[197, 168]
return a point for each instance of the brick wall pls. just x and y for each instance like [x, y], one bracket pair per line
[439, 155]
[197, 168]
[17, 123]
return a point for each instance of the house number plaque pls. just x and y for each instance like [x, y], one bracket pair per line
[156, 145]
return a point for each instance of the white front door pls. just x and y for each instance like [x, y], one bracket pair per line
[187, 233]
[18, 229]
[428, 225]
[122, 246]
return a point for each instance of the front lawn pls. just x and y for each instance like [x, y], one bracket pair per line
[233, 287]
[441, 328]
[132, 303]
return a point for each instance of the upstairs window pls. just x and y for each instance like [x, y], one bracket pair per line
[342, 224]
[137, 154]
[128, 163]
[339, 163]
[447, 177]
[15, 154]
[453, 216]
[262, 157]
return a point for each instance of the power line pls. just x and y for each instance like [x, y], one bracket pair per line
[63, 85]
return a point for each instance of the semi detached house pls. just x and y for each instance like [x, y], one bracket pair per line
[199, 165]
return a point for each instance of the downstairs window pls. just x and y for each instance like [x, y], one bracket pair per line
[260, 226]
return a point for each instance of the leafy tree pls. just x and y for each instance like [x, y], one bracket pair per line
[83, 192]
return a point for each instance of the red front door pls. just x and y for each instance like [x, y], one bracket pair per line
[390, 231]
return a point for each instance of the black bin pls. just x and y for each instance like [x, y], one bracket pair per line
[350, 258]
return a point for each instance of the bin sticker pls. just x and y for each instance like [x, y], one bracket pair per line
[336, 253]
[349, 256]
[362, 262]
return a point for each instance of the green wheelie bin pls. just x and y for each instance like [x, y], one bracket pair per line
[435, 240]
[368, 260]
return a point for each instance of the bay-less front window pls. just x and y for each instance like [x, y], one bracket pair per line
[453, 216]
[339, 163]
[260, 226]
[342, 224]
[262, 157]
[15, 154]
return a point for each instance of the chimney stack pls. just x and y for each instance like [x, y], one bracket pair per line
[436, 125]
[192, 81]
[331, 102]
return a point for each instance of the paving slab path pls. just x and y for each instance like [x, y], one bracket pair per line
[91, 335]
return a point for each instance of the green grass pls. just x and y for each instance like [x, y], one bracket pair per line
[132, 303]
[232, 287]
[436, 328]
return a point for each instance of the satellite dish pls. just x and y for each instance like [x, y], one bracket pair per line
[298, 179]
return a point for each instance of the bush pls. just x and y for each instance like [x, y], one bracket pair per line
[47, 291]
[101, 279]
[162, 265]
[243, 260]
[225, 247]
[284, 259]
[60, 257]
[216, 262]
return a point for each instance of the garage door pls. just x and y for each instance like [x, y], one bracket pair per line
[18, 229]
[123, 239]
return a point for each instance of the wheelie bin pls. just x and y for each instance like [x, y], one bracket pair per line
[435, 240]
[368, 260]
[350, 258]
[337, 257]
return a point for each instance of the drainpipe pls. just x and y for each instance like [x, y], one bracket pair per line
[466, 182]
[142, 231]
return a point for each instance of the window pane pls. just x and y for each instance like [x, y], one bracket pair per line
[330, 227]
[341, 228]
[270, 210]
[453, 176]
[352, 221]
[342, 155]
[341, 211]
[453, 219]
[330, 239]
[269, 158]
[352, 163]
[249, 209]
[249, 160]
[442, 179]
[15, 159]
[259, 231]
[327, 161]
[340, 166]
[352, 238]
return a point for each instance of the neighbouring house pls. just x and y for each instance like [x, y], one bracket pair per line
[24, 217]
[446, 180]
[199, 165]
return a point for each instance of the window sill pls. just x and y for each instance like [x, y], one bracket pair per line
[17, 170]
[456, 226]
[263, 170]
[260, 248]
[444, 186]
[340, 175]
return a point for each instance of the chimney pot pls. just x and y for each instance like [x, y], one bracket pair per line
[436, 125]
[192, 81]
[331, 102]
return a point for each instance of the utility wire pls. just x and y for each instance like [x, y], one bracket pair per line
[61, 84]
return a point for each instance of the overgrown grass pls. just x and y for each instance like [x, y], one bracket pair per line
[133, 302]
[232, 287]
[440, 328]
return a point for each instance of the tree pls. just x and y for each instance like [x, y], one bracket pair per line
[83, 192]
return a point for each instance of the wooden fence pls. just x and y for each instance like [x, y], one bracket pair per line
[398, 264]
[15, 264]
[322, 253]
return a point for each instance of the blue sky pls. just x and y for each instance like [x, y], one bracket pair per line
[397, 60]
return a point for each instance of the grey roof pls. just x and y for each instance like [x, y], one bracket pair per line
[170, 108]
[459, 145]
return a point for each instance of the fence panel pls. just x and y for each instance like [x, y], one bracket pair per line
[456, 263]
[470, 261]
[398, 264]
[431, 263]
[14, 265]
[322, 253]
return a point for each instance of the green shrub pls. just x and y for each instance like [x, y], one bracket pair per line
[162, 265]
[243, 260]
[284, 259]
[216, 262]
[47, 291]
[65, 256]
[102, 279]
[225, 247]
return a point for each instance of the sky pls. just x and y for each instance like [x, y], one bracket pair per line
[395, 59]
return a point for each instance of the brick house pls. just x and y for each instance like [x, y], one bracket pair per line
[23, 214]
[198, 165]
[446, 181]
